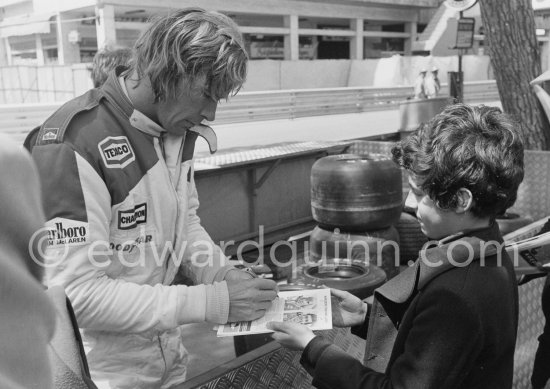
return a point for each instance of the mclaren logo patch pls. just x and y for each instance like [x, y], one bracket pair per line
[116, 152]
[67, 232]
[131, 218]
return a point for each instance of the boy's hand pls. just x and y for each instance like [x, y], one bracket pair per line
[292, 335]
[347, 310]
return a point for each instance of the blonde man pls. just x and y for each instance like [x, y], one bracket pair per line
[121, 201]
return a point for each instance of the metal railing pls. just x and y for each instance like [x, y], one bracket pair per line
[290, 104]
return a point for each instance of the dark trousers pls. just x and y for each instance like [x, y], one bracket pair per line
[541, 368]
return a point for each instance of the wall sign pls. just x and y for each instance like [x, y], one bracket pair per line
[465, 33]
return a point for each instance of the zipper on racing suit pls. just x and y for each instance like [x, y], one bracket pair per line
[174, 185]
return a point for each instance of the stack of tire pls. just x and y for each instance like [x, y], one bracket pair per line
[356, 201]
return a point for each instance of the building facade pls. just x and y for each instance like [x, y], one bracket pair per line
[71, 31]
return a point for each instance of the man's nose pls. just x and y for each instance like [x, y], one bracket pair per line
[209, 111]
[410, 201]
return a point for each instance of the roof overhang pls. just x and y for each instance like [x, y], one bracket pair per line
[28, 24]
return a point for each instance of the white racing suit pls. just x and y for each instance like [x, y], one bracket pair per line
[121, 202]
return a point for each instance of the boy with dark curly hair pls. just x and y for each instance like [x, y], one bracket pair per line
[451, 318]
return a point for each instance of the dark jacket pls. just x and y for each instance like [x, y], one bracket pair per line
[456, 325]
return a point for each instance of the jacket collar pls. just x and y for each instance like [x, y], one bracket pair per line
[114, 93]
[441, 257]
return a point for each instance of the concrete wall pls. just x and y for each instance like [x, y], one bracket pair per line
[383, 72]
[29, 84]
[314, 74]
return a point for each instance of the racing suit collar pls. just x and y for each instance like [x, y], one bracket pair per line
[140, 120]
[115, 91]
[115, 94]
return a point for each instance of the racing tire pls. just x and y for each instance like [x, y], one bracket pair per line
[352, 276]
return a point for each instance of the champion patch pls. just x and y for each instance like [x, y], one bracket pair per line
[131, 218]
[116, 152]
[50, 133]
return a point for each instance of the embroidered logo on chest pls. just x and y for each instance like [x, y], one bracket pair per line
[132, 217]
[116, 152]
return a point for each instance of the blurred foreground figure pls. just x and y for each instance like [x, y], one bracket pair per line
[121, 203]
[26, 315]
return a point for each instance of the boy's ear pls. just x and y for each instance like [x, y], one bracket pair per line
[465, 200]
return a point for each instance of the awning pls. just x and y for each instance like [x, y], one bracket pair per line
[26, 25]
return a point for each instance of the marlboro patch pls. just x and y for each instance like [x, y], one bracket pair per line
[67, 232]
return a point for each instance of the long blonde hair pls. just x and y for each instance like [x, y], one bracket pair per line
[190, 45]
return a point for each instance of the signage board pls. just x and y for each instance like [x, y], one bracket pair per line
[264, 50]
[465, 33]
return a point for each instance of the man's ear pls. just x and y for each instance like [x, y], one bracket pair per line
[465, 200]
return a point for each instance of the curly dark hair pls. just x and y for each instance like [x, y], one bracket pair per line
[477, 148]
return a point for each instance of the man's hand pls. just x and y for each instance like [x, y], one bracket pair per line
[249, 299]
[292, 335]
[347, 310]
[238, 275]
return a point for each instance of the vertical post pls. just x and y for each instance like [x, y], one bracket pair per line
[356, 43]
[39, 50]
[292, 41]
[545, 52]
[5, 52]
[411, 28]
[67, 52]
[460, 83]
[105, 26]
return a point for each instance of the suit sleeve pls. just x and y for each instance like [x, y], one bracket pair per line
[439, 351]
[206, 261]
[78, 208]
